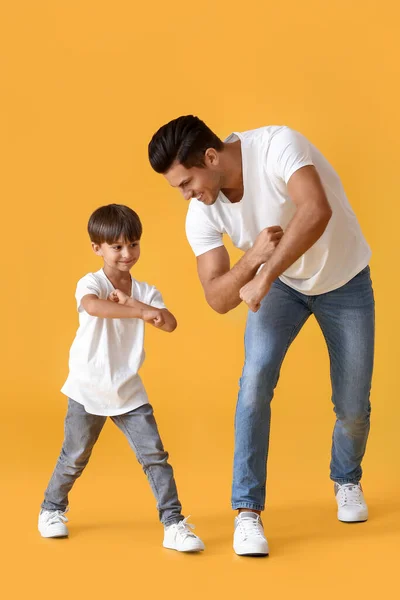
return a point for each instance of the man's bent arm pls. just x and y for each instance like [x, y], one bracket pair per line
[306, 227]
[222, 284]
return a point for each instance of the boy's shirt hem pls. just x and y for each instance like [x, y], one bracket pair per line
[105, 411]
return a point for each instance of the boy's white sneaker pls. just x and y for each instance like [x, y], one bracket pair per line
[179, 536]
[352, 507]
[52, 524]
[249, 538]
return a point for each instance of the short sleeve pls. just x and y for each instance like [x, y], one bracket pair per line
[288, 151]
[154, 298]
[148, 294]
[86, 285]
[201, 233]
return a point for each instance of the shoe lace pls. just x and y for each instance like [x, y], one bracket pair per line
[184, 529]
[250, 526]
[56, 516]
[350, 495]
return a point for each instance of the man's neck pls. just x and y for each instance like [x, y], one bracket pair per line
[232, 183]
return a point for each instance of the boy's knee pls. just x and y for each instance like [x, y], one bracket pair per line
[154, 459]
[74, 461]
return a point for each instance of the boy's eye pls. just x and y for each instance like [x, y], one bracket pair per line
[116, 247]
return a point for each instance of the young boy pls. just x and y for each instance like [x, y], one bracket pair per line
[103, 380]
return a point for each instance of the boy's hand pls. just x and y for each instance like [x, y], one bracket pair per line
[119, 297]
[154, 316]
[113, 297]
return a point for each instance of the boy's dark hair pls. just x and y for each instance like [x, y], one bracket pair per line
[114, 222]
[184, 139]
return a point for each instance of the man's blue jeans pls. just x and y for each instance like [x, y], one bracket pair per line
[346, 318]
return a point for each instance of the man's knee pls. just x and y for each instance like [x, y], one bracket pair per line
[355, 422]
[259, 375]
[261, 366]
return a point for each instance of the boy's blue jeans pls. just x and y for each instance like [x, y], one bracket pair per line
[139, 426]
[346, 318]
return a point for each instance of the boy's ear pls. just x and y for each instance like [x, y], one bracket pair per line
[97, 249]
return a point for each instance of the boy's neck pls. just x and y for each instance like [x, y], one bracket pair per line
[117, 277]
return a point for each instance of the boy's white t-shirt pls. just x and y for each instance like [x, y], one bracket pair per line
[107, 354]
[270, 156]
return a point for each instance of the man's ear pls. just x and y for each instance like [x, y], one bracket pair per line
[211, 157]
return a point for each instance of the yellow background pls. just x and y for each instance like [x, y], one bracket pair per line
[84, 85]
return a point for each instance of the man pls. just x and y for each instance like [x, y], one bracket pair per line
[283, 204]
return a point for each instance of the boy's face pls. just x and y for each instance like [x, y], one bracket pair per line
[120, 255]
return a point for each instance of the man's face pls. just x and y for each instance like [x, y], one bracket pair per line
[202, 183]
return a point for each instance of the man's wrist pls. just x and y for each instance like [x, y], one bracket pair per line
[265, 277]
[254, 258]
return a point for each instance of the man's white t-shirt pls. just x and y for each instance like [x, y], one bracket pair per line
[107, 354]
[270, 156]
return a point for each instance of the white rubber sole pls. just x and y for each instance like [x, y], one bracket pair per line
[250, 551]
[358, 519]
[192, 550]
[57, 533]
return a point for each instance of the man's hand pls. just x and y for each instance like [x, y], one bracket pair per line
[266, 242]
[253, 292]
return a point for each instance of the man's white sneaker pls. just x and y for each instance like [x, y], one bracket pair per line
[249, 538]
[180, 536]
[52, 524]
[352, 507]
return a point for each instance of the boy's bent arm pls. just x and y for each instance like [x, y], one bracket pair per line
[161, 318]
[110, 310]
[169, 322]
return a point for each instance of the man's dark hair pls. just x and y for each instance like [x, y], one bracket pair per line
[114, 222]
[185, 140]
